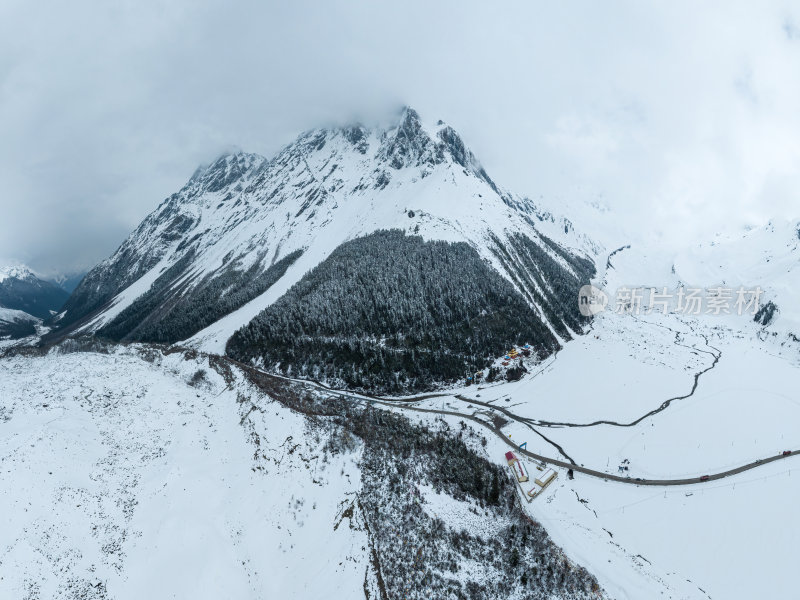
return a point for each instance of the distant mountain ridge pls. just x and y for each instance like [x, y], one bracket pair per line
[68, 281]
[21, 289]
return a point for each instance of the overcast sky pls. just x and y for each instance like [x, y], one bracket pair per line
[684, 118]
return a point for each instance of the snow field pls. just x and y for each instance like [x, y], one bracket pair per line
[118, 477]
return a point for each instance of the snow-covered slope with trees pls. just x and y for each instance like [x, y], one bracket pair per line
[128, 472]
[706, 399]
[244, 230]
[134, 471]
[16, 323]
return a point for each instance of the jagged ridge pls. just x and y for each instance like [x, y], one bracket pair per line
[237, 217]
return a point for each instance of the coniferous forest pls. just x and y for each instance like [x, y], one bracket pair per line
[393, 313]
[165, 315]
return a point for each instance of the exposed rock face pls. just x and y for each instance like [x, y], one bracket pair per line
[245, 229]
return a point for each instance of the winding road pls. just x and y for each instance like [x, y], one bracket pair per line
[405, 404]
[569, 463]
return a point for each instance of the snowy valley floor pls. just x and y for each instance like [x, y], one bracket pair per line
[725, 539]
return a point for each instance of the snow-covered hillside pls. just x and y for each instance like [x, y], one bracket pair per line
[9, 315]
[16, 323]
[387, 260]
[67, 281]
[122, 480]
[654, 397]
[133, 467]
[767, 256]
[133, 473]
[762, 263]
[243, 214]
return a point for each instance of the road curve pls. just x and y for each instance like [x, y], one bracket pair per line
[601, 474]
[403, 404]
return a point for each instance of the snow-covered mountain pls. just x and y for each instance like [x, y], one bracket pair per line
[388, 259]
[21, 289]
[245, 230]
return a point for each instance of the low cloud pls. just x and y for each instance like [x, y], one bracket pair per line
[681, 117]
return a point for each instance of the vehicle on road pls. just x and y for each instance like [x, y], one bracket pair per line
[787, 452]
[704, 478]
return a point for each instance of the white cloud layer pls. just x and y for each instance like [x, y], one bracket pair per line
[683, 117]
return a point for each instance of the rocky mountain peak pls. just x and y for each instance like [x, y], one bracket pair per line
[243, 213]
[408, 144]
[16, 272]
[226, 170]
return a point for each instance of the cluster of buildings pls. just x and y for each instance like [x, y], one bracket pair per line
[514, 354]
[544, 476]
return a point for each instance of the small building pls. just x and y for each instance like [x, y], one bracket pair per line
[520, 471]
[545, 478]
